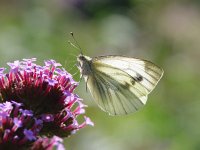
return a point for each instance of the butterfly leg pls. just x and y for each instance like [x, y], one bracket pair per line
[86, 82]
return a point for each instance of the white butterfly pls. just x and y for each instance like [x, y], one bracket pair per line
[119, 85]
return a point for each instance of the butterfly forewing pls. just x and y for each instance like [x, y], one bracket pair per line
[145, 72]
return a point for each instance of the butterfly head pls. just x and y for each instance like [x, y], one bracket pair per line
[84, 64]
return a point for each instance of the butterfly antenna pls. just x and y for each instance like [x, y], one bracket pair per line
[78, 46]
[74, 46]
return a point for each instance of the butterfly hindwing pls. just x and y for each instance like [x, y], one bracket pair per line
[115, 96]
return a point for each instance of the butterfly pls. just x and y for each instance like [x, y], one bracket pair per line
[119, 85]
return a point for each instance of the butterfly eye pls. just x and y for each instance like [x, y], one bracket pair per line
[81, 58]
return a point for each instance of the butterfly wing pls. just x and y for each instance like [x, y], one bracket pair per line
[120, 85]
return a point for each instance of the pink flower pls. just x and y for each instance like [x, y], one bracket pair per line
[43, 93]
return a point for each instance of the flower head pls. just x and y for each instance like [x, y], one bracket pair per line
[42, 89]
[43, 94]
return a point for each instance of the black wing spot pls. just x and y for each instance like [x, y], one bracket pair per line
[138, 78]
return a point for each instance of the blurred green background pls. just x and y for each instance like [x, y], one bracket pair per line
[167, 32]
